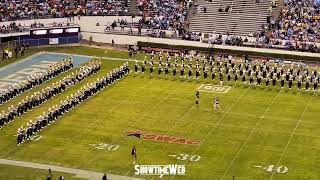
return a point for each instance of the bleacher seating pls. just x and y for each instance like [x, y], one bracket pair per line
[244, 16]
[41, 9]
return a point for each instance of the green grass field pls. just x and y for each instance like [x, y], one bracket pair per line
[256, 127]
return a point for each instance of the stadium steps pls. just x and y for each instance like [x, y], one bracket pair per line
[133, 7]
[246, 16]
[276, 11]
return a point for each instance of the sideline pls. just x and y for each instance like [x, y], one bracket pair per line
[77, 172]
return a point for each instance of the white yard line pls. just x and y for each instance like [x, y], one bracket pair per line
[116, 106]
[291, 136]
[156, 105]
[216, 124]
[252, 131]
[148, 114]
[168, 130]
[179, 120]
[77, 172]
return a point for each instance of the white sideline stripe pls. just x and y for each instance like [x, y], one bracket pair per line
[246, 140]
[291, 136]
[77, 172]
[102, 57]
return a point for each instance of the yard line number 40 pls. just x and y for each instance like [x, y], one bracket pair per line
[272, 168]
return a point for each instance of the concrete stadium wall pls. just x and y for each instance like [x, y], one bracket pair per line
[132, 40]
[88, 23]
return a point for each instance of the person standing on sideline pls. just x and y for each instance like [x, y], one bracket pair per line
[134, 154]
[104, 177]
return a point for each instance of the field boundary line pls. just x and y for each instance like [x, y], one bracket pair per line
[291, 136]
[216, 124]
[252, 131]
[92, 175]
[102, 57]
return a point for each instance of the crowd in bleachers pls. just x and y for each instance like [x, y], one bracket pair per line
[299, 20]
[109, 7]
[296, 28]
[31, 9]
[164, 14]
[14, 27]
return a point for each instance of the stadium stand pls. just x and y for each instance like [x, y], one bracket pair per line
[14, 27]
[288, 24]
[167, 14]
[297, 25]
[31, 9]
[298, 20]
[237, 17]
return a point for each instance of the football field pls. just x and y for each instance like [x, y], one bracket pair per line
[260, 133]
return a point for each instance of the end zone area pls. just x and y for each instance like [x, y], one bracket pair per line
[36, 63]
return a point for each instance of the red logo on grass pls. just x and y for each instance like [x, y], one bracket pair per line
[162, 138]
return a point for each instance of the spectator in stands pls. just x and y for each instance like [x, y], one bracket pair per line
[165, 15]
[19, 9]
[298, 26]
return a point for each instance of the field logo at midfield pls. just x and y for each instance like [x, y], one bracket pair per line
[162, 138]
[214, 88]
